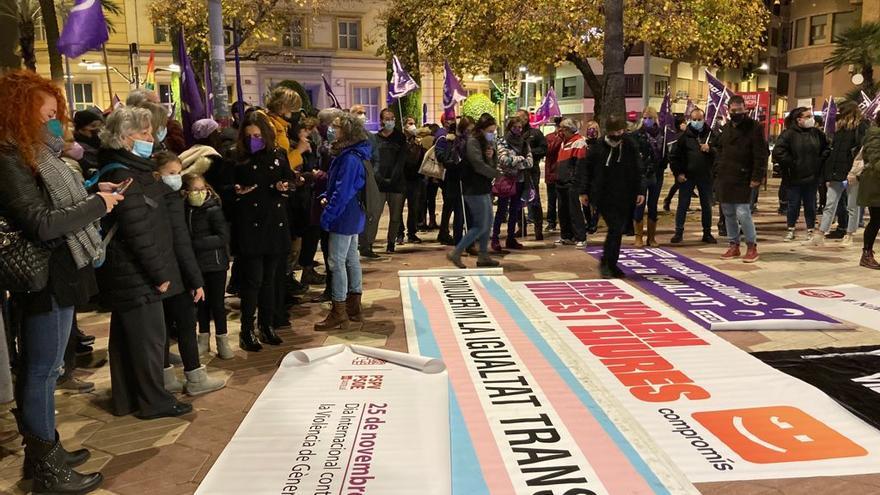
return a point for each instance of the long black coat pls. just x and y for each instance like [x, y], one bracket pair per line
[210, 235]
[183, 247]
[260, 226]
[614, 176]
[25, 202]
[141, 255]
[392, 161]
[740, 157]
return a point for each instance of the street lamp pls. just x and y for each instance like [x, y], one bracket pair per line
[764, 66]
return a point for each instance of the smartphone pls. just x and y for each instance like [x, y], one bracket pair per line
[124, 186]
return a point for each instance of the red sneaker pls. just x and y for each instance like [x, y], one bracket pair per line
[732, 252]
[751, 254]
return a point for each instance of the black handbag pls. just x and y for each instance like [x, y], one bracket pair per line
[24, 265]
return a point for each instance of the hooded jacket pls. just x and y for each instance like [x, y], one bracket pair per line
[554, 144]
[571, 162]
[614, 175]
[343, 213]
[478, 171]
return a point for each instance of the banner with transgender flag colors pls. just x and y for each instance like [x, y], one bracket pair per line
[521, 420]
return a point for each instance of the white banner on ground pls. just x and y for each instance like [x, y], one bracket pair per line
[718, 412]
[850, 302]
[342, 420]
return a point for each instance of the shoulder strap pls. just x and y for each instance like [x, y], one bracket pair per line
[105, 169]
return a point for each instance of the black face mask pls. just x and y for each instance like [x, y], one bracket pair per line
[737, 117]
[614, 138]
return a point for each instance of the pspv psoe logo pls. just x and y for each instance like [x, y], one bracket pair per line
[768, 435]
[822, 293]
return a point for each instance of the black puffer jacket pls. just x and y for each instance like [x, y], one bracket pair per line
[26, 204]
[844, 148]
[210, 235]
[801, 154]
[260, 226]
[687, 158]
[183, 247]
[141, 255]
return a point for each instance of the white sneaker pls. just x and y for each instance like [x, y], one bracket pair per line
[789, 236]
[816, 240]
[581, 244]
[847, 240]
[809, 235]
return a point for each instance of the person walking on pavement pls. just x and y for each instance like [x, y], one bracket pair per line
[741, 161]
[692, 161]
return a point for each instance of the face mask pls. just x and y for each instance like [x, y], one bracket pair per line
[75, 151]
[175, 182]
[809, 123]
[411, 129]
[649, 122]
[614, 140]
[490, 136]
[737, 117]
[363, 117]
[593, 133]
[197, 198]
[54, 127]
[331, 134]
[143, 149]
[516, 131]
[388, 125]
[163, 132]
[697, 125]
[256, 144]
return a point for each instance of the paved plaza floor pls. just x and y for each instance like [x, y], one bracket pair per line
[170, 456]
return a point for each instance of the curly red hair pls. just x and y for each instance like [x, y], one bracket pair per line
[21, 100]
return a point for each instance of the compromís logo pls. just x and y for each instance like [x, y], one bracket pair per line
[822, 293]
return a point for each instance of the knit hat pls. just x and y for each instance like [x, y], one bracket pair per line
[615, 123]
[83, 118]
[203, 128]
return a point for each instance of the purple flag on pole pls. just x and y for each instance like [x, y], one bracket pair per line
[86, 29]
[869, 107]
[549, 108]
[402, 83]
[719, 95]
[664, 116]
[689, 108]
[239, 92]
[829, 117]
[452, 90]
[192, 106]
[334, 101]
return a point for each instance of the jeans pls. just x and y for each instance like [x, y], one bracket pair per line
[686, 192]
[213, 307]
[738, 216]
[652, 197]
[805, 194]
[345, 264]
[552, 200]
[509, 209]
[572, 225]
[835, 191]
[480, 223]
[395, 207]
[43, 341]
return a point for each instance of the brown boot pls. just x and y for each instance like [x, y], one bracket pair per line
[337, 319]
[639, 230]
[353, 307]
[652, 232]
[868, 260]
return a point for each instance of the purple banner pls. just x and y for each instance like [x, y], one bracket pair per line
[713, 299]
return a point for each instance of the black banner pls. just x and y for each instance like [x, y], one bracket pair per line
[849, 375]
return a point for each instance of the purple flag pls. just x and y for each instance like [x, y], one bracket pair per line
[719, 95]
[192, 105]
[689, 108]
[829, 117]
[452, 90]
[402, 83]
[869, 107]
[549, 108]
[664, 116]
[334, 101]
[86, 29]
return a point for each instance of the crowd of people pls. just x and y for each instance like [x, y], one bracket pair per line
[156, 222]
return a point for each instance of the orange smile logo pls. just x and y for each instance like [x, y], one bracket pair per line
[766, 435]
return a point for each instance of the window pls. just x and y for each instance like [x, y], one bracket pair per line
[39, 29]
[817, 29]
[369, 98]
[844, 21]
[632, 85]
[160, 34]
[82, 96]
[800, 33]
[809, 84]
[569, 87]
[774, 37]
[661, 84]
[785, 41]
[349, 35]
[293, 36]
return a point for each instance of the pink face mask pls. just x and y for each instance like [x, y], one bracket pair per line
[75, 151]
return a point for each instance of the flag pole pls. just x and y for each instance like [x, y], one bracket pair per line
[107, 70]
[69, 85]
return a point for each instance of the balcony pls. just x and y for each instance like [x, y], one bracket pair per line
[808, 56]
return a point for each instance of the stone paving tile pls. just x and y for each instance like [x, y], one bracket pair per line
[129, 434]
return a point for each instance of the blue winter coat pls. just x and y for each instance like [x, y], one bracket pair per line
[343, 213]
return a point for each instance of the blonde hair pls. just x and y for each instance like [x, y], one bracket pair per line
[283, 98]
[850, 116]
[651, 113]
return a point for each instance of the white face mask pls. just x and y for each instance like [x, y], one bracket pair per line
[363, 117]
[809, 123]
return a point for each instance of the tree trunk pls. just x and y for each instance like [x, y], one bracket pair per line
[218, 62]
[50, 21]
[868, 84]
[406, 47]
[593, 81]
[26, 42]
[9, 37]
[613, 94]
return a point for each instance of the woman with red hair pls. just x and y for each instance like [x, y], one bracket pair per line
[46, 202]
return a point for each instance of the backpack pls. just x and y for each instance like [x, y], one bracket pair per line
[369, 197]
[108, 237]
[431, 166]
